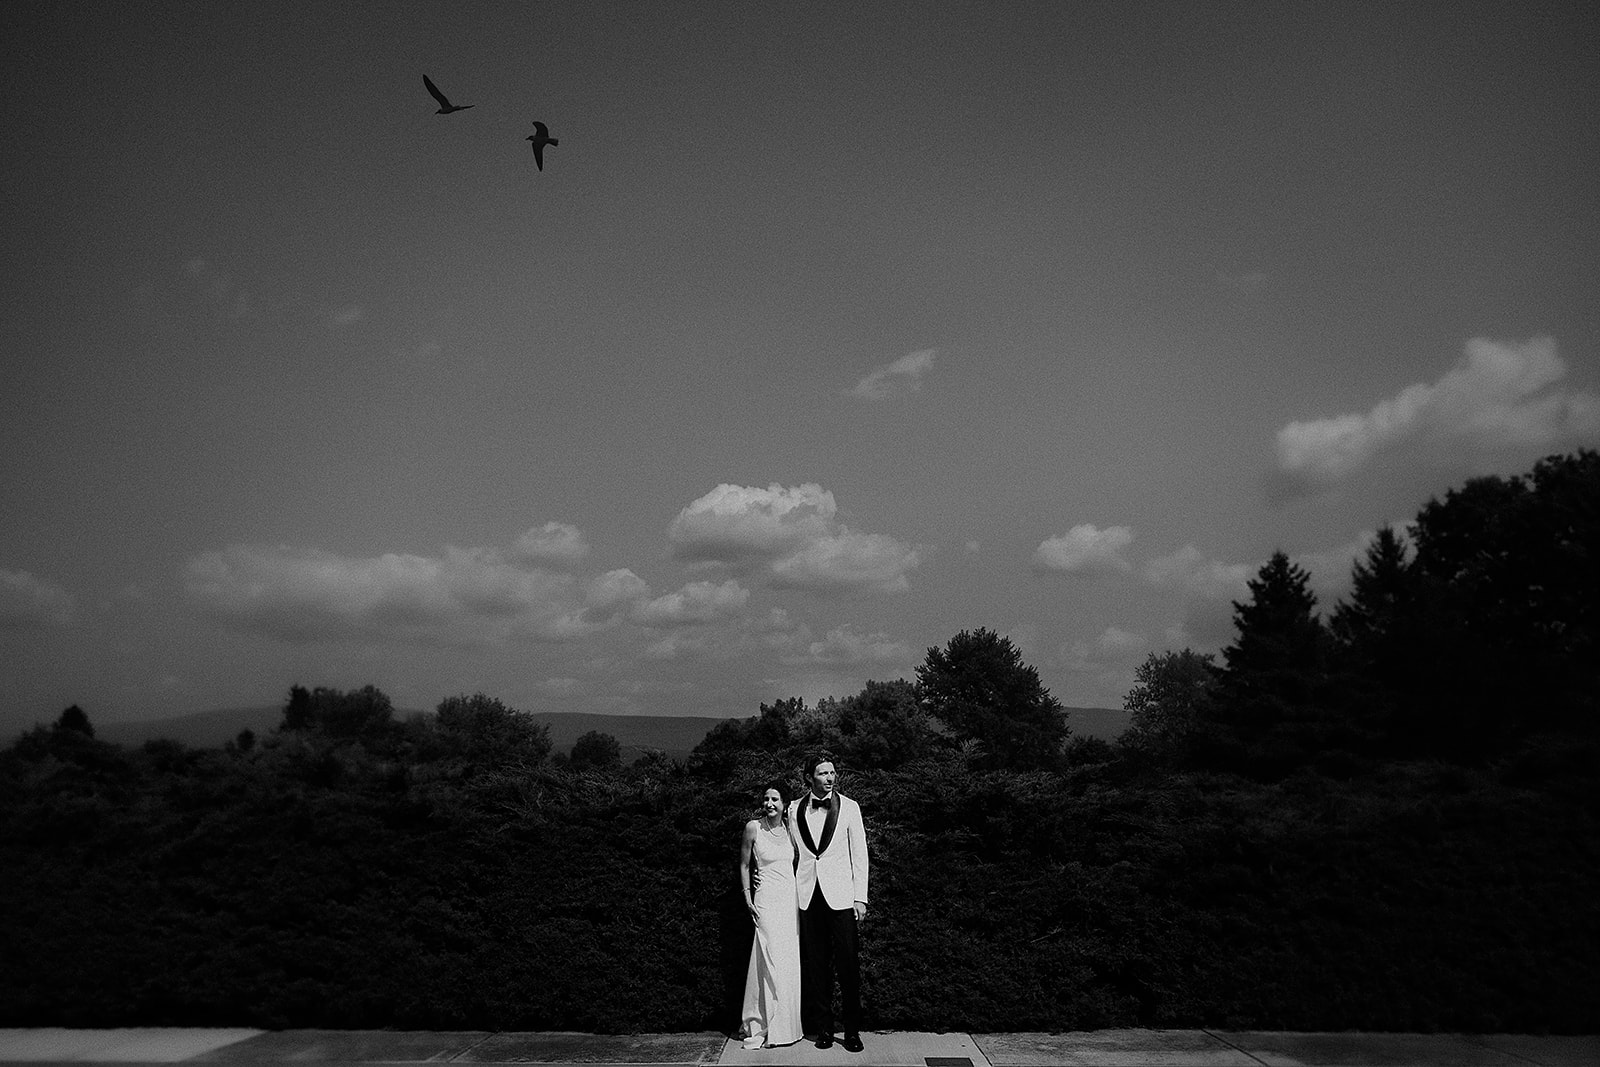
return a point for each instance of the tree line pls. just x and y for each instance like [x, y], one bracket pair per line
[1384, 818]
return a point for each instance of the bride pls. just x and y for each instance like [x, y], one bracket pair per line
[772, 985]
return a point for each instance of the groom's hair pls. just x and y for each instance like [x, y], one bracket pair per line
[812, 761]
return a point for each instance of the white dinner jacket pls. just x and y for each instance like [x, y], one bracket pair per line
[841, 867]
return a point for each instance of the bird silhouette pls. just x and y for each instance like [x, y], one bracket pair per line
[540, 137]
[445, 106]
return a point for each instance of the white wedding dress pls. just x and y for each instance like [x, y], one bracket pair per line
[772, 985]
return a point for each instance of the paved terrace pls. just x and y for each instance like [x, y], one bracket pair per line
[1095, 1048]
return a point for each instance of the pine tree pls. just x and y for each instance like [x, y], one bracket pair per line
[1375, 628]
[1280, 639]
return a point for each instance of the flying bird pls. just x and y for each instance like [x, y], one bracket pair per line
[540, 137]
[445, 106]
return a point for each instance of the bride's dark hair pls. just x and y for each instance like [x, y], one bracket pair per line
[783, 798]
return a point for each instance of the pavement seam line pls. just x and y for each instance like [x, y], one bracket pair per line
[472, 1046]
[1472, 1039]
[1235, 1048]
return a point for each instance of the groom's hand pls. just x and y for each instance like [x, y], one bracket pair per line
[861, 910]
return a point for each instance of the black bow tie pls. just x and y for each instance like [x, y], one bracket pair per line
[818, 805]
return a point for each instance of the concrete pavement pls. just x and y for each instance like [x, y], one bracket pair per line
[1094, 1048]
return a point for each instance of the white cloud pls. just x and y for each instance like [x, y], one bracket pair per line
[792, 536]
[697, 602]
[1086, 552]
[902, 376]
[847, 561]
[735, 522]
[1498, 395]
[843, 645]
[27, 601]
[554, 542]
[776, 631]
[1113, 647]
[1189, 571]
[465, 596]
[348, 315]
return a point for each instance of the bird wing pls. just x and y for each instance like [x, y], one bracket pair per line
[434, 90]
[541, 129]
[538, 154]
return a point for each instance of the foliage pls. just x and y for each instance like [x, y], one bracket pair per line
[1167, 702]
[482, 728]
[319, 881]
[1305, 862]
[361, 712]
[1279, 642]
[980, 690]
[596, 749]
[74, 718]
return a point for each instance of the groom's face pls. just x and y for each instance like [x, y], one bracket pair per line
[822, 779]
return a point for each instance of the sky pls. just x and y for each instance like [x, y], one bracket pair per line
[826, 332]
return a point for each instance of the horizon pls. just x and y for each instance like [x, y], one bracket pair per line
[821, 336]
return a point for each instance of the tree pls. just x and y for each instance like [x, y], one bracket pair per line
[596, 750]
[1267, 717]
[484, 728]
[1279, 646]
[1375, 629]
[1510, 575]
[74, 719]
[1167, 701]
[364, 712]
[884, 726]
[980, 690]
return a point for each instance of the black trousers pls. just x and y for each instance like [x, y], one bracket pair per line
[828, 946]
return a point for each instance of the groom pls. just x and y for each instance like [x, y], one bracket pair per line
[831, 882]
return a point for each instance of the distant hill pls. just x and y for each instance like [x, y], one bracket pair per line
[676, 735]
[203, 729]
[1104, 723]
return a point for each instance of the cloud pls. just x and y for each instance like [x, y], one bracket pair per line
[465, 596]
[697, 602]
[1086, 552]
[844, 646]
[1113, 647]
[348, 315]
[792, 537]
[776, 631]
[27, 601]
[1498, 395]
[902, 376]
[555, 542]
[1189, 571]
[847, 561]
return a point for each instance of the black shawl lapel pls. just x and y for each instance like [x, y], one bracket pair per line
[805, 825]
[833, 821]
[827, 827]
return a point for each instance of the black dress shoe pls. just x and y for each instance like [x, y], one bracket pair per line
[825, 1041]
[852, 1042]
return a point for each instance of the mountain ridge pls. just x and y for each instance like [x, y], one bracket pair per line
[676, 735]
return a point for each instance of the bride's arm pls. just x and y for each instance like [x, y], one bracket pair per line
[746, 844]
